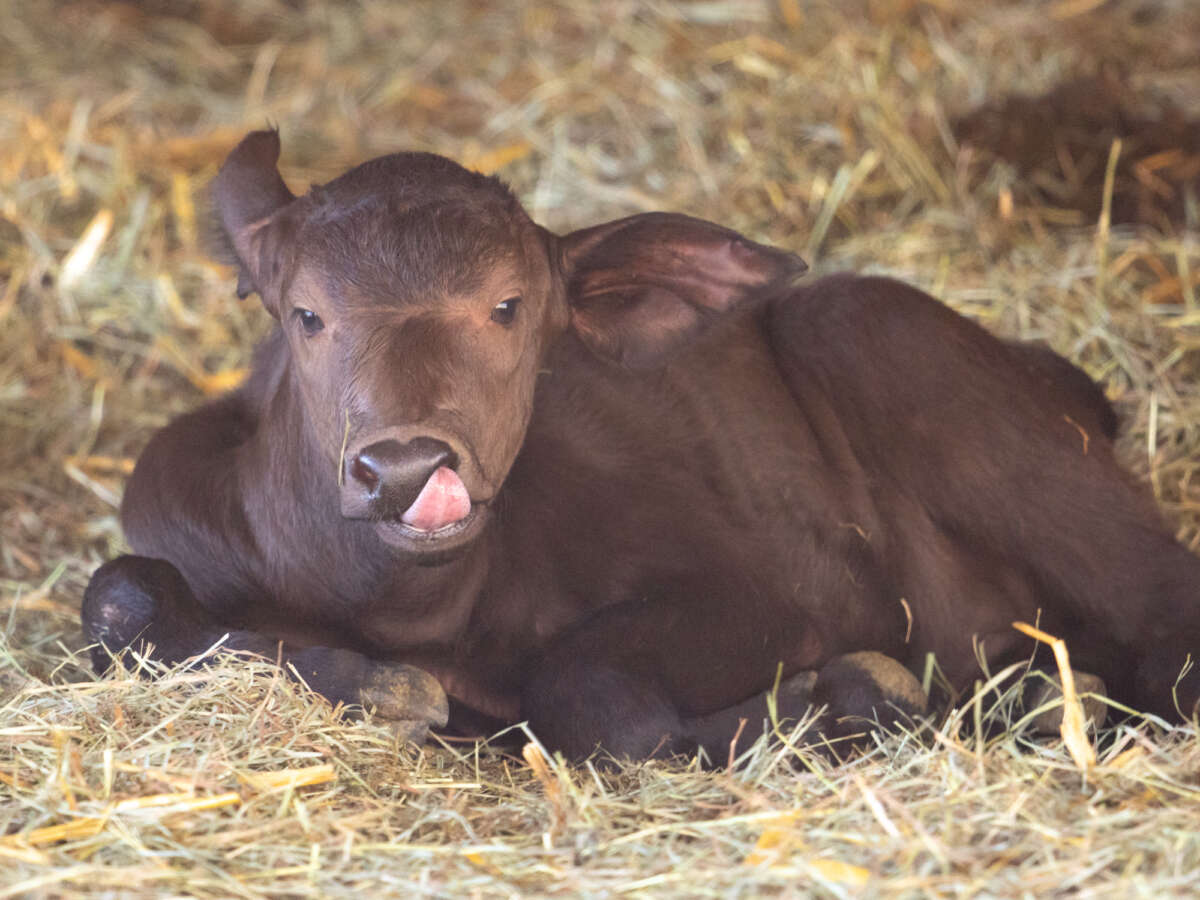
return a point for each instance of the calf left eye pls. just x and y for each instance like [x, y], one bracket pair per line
[504, 313]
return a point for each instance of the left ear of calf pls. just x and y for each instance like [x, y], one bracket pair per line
[640, 288]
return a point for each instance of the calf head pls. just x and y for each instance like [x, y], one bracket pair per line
[418, 301]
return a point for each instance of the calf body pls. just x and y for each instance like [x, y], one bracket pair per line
[611, 482]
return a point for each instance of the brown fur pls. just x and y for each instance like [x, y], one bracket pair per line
[688, 472]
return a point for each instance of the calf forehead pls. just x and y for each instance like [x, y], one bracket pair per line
[411, 226]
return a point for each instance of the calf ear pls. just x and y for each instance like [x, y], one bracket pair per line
[640, 288]
[251, 201]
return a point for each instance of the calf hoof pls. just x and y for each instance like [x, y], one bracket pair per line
[865, 691]
[1048, 689]
[121, 602]
[410, 699]
[794, 696]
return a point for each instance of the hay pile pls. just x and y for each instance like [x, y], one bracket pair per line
[863, 134]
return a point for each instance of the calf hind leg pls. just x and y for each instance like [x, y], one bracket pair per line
[855, 694]
[145, 604]
[578, 707]
[862, 692]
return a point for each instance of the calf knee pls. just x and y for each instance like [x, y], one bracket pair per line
[578, 708]
[136, 601]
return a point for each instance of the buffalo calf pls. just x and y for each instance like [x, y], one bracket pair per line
[611, 482]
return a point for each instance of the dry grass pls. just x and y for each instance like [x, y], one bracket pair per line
[825, 127]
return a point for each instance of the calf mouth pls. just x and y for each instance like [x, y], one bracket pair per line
[419, 542]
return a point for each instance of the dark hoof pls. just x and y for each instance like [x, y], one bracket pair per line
[410, 699]
[1048, 689]
[409, 731]
[865, 692]
[795, 694]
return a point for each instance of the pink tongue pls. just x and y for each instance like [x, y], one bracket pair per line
[443, 501]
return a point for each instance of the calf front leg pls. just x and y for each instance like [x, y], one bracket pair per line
[146, 605]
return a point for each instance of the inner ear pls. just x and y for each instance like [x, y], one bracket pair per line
[252, 201]
[642, 287]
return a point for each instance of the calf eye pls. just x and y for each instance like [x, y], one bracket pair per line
[504, 313]
[309, 321]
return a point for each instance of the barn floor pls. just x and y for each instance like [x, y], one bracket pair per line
[970, 147]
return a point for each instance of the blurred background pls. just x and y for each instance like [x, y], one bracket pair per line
[1034, 164]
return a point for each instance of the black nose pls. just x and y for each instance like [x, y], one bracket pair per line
[389, 475]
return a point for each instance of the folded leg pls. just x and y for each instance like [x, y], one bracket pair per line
[134, 602]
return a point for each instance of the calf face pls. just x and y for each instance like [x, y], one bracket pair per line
[419, 299]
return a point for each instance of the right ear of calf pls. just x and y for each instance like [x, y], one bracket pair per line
[256, 212]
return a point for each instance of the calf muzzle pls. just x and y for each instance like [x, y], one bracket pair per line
[384, 479]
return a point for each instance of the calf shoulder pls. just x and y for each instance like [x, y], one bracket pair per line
[184, 502]
[197, 486]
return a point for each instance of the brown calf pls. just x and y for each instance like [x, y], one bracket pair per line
[608, 482]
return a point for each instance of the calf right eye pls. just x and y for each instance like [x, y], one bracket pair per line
[309, 321]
